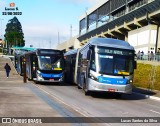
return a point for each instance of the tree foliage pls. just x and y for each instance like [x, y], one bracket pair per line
[14, 34]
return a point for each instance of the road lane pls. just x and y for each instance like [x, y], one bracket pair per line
[104, 105]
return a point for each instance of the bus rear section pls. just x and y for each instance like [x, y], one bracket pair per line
[70, 61]
[45, 65]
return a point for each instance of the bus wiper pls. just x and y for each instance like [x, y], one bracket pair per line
[101, 72]
[57, 61]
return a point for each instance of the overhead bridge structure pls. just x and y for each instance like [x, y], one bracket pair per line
[116, 18]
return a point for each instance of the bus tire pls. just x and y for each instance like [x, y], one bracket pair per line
[36, 82]
[86, 92]
[118, 95]
[78, 87]
[29, 79]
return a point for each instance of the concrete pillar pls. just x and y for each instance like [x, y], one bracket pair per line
[126, 38]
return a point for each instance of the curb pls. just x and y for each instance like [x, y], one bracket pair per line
[147, 96]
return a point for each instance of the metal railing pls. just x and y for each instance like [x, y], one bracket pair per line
[155, 57]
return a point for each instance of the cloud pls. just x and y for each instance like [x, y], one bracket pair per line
[2, 4]
[46, 35]
[46, 29]
[90, 2]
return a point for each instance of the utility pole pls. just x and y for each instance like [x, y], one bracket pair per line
[86, 21]
[24, 70]
[1, 27]
[50, 43]
[71, 31]
[58, 37]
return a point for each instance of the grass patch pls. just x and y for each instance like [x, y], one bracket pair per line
[144, 73]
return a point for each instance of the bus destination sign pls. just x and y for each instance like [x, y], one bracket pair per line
[49, 52]
[114, 51]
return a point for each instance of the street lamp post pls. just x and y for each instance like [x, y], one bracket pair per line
[71, 31]
[58, 38]
[1, 27]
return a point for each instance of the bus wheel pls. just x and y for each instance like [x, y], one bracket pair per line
[79, 87]
[29, 79]
[118, 95]
[85, 89]
[87, 93]
[36, 82]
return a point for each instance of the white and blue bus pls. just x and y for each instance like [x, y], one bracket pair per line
[45, 65]
[105, 64]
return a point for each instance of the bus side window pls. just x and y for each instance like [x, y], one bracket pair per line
[36, 62]
[135, 64]
[92, 62]
[79, 59]
[89, 54]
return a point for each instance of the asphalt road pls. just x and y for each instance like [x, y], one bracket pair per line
[102, 104]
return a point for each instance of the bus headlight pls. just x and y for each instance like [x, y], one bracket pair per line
[39, 74]
[130, 81]
[61, 78]
[93, 77]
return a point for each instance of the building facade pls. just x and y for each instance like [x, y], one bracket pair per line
[130, 20]
[72, 43]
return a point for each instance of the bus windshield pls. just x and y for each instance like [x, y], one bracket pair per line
[115, 64]
[50, 62]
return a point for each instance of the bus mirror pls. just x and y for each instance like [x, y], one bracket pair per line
[36, 65]
[135, 64]
[88, 54]
[91, 47]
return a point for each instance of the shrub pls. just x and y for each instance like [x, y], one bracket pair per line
[143, 76]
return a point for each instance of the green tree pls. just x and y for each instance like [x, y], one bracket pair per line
[14, 34]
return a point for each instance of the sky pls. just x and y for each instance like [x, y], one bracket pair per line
[44, 20]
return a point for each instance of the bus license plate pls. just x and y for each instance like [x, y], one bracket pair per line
[111, 90]
[51, 79]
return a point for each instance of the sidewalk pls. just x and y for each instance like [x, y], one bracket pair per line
[152, 94]
[154, 63]
[17, 99]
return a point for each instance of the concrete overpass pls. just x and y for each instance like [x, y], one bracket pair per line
[122, 17]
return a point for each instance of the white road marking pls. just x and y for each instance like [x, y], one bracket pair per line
[77, 109]
[148, 96]
[60, 100]
[155, 112]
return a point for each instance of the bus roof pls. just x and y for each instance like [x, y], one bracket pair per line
[40, 51]
[23, 48]
[109, 42]
[74, 51]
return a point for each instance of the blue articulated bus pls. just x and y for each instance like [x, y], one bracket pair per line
[19, 53]
[45, 65]
[70, 61]
[105, 64]
[20, 64]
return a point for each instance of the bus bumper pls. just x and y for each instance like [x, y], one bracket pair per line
[97, 86]
[49, 80]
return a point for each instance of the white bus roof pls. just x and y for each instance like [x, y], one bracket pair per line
[74, 51]
[109, 42]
